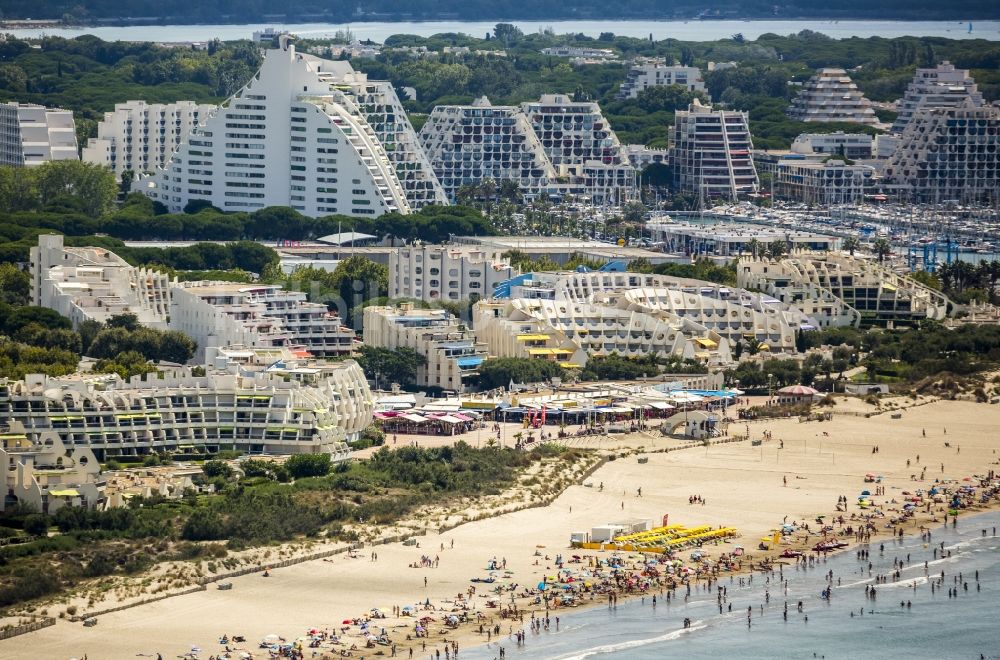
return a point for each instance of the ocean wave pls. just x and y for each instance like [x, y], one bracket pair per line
[636, 643]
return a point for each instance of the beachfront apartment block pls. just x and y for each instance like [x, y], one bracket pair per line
[569, 332]
[468, 144]
[178, 411]
[852, 146]
[220, 314]
[141, 137]
[645, 74]
[46, 474]
[33, 134]
[830, 95]
[91, 283]
[701, 309]
[446, 272]
[942, 86]
[842, 290]
[947, 154]
[451, 349]
[95, 284]
[290, 137]
[711, 152]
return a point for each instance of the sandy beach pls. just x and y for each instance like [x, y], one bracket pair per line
[742, 486]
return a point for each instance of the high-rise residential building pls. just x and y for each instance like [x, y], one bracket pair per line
[554, 146]
[33, 134]
[579, 141]
[943, 86]
[453, 355]
[829, 96]
[141, 137]
[948, 154]
[469, 143]
[645, 74]
[290, 137]
[446, 272]
[712, 152]
[258, 413]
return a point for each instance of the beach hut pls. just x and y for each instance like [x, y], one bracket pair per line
[795, 394]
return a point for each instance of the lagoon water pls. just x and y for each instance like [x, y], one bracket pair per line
[684, 30]
[935, 627]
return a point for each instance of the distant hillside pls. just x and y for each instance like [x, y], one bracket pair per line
[237, 11]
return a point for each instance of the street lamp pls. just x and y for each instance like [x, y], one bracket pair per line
[770, 395]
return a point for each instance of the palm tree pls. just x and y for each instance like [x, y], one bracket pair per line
[754, 346]
[852, 244]
[882, 248]
[753, 247]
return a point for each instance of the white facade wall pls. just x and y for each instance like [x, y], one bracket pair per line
[854, 145]
[33, 134]
[289, 138]
[644, 75]
[141, 137]
[46, 475]
[441, 272]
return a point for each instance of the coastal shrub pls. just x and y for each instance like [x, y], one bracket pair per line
[308, 465]
[30, 584]
[37, 524]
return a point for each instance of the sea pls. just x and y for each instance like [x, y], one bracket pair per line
[693, 30]
[905, 620]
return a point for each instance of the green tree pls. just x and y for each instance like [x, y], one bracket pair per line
[851, 244]
[500, 372]
[213, 469]
[308, 465]
[358, 279]
[882, 248]
[93, 185]
[15, 285]
[399, 365]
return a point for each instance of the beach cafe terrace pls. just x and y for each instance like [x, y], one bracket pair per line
[409, 422]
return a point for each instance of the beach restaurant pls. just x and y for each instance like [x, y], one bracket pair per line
[427, 422]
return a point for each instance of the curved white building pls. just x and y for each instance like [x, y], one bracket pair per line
[570, 331]
[290, 137]
[259, 414]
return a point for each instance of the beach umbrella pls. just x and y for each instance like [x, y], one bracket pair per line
[542, 586]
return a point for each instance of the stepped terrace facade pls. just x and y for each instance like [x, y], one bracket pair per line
[183, 412]
[841, 290]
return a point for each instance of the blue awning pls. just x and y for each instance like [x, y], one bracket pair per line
[470, 361]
